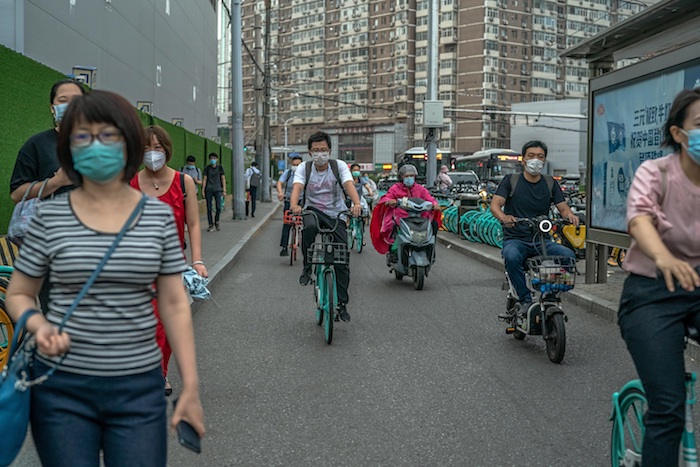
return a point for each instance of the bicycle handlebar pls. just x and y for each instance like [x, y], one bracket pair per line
[321, 230]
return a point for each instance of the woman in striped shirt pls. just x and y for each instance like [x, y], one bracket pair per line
[107, 394]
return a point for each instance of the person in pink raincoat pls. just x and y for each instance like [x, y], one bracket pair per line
[385, 216]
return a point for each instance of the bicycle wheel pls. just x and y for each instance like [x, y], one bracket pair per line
[628, 429]
[319, 300]
[351, 234]
[292, 248]
[556, 343]
[330, 303]
[359, 236]
[6, 333]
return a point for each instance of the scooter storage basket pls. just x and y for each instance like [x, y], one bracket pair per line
[552, 273]
[329, 253]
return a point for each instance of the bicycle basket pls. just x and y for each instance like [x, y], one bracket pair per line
[328, 253]
[291, 219]
[552, 273]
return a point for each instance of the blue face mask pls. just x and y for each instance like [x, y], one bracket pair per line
[59, 111]
[409, 181]
[212, 161]
[693, 148]
[99, 162]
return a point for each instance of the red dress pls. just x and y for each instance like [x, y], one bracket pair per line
[175, 199]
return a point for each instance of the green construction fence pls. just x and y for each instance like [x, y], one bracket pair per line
[25, 110]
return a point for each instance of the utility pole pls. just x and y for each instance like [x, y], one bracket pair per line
[432, 108]
[266, 111]
[259, 97]
[237, 142]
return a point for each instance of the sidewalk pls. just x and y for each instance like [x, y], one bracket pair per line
[600, 299]
[220, 250]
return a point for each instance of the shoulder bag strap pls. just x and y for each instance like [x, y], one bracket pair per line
[26, 194]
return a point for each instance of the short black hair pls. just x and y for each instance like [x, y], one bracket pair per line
[534, 144]
[102, 107]
[58, 84]
[254, 164]
[297, 157]
[318, 137]
[354, 164]
[213, 154]
[678, 114]
[191, 158]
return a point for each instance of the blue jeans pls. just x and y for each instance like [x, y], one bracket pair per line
[213, 201]
[74, 417]
[516, 251]
[652, 321]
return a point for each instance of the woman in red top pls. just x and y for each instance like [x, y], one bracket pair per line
[162, 182]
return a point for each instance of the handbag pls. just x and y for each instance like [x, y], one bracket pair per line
[23, 213]
[15, 385]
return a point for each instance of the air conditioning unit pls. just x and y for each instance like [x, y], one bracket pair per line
[505, 22]
[503, 86]
[526, 42]
[374, 85]
[397, 97]
[524, 25]
[504, 54]
[365, 115]
[525, 57]
[490, 19]
[503, 70]
[568, 93]
[493, 68]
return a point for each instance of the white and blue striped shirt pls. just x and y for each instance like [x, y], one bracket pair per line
[113, 328]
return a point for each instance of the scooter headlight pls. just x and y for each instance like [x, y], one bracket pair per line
[419, 236]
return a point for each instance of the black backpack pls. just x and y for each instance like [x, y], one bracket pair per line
[514, 182]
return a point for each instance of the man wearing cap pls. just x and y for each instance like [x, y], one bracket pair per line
[284, 191]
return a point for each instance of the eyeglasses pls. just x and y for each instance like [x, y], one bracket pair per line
[108, 137]
[318, 151]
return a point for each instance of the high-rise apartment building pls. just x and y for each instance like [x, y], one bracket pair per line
[358, 68]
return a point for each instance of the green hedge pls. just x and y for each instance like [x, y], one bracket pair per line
[25, 110]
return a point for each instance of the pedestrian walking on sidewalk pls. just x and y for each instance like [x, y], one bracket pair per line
[284, 191]
[214, 188]
[252, 181]
[324, 188]
[172, 188]
[105, 398]
[37, 160]
[193, 171]
[661, 295]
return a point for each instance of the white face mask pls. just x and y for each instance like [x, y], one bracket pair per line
[154, 160]
[320, 158]
[293, 168]
[534, 166]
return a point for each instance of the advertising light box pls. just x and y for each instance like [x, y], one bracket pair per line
[627, 129]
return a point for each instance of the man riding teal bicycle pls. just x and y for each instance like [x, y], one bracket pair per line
[323, 184]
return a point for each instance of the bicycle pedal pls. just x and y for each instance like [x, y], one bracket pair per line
[510, 330]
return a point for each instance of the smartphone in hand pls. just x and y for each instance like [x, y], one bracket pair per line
[188, 437]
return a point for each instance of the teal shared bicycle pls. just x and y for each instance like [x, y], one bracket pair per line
[628, 416]
[324, 256]
[356, 231]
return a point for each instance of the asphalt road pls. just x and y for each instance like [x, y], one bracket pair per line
[416, 378]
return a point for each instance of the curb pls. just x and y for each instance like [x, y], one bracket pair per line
[231, 257]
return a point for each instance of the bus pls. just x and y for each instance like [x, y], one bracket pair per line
[491, 164]
[418, 156]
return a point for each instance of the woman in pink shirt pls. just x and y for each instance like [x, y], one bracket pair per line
[663, 221]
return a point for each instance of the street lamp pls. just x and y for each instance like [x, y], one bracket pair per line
[286, 142]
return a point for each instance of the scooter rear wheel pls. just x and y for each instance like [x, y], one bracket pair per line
[398, 275]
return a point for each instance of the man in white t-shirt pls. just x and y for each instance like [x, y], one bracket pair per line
[324, 193]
